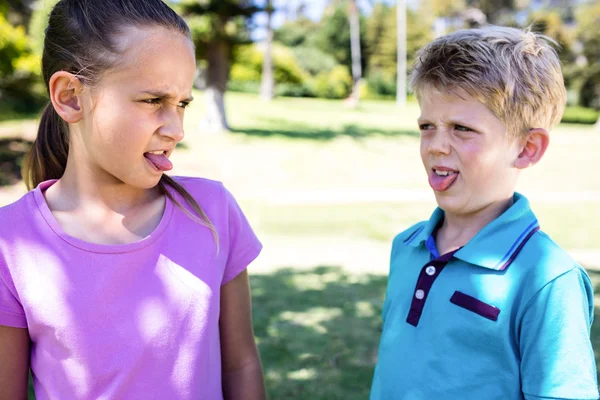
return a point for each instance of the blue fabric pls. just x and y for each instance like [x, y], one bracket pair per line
[539, 347]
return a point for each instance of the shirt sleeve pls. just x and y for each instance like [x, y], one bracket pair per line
[11, 310]
[244, 246]
[557, 360]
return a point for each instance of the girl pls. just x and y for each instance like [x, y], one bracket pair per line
[116, 281]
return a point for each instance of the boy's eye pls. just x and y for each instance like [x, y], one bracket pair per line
[183, 104]
[462, 128]
[152, 101]
[425, 127]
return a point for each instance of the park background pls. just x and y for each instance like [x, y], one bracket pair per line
[302, 111]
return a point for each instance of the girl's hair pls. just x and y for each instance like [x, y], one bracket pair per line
[82, 38]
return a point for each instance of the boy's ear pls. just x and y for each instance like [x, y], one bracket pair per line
[65, 90]
[534, 147]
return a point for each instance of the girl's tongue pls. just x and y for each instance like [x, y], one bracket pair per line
[439, 182]
[160, 161]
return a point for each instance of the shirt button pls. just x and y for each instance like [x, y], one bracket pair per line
[430, 270]
[419, 294]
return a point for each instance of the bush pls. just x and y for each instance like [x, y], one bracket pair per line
[336, 84]
[313, 60]
[244, 86]
[20, 88]
[294, 90]
[248, 65]
[381, 85]
[244, 73]
[580, 115]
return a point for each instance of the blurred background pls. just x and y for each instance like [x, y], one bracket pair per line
[303, 112]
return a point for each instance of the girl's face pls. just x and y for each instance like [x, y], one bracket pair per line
[134, 116]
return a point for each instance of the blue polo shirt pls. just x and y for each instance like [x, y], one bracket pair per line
[507, 316]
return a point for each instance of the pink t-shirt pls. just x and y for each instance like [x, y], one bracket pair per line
[131, 321]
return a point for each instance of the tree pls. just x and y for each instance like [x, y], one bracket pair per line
[218, 26]
[354, 21]
[401, 45]
[588, 19]
[18, 12]
[382, 45]
[267, 87]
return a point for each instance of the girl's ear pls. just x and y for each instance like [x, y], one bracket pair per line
[65, 95]
[534, 147]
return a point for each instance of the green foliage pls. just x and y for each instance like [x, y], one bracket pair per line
[588, 73]
[214, 21]
[333, 36]
[248, 65]
[380, 85]
[381, 39]
[551, 24]
[335, 84]
[313, 60]
[19, 70]
[38, 24]
[296, 33]
[244, 86]
[294, 90]
[580, 115]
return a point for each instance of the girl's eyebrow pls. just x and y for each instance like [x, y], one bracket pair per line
[165, 95]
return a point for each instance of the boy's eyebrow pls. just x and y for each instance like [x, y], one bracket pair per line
[165, 94]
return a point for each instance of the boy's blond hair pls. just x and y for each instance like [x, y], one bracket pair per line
[515, 73]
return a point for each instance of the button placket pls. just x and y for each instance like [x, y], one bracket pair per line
[427, 277]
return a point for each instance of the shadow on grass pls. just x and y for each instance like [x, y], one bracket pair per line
[317, 331]
[12, 152]
[283, 128]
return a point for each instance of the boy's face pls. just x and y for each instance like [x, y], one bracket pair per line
[466, 152]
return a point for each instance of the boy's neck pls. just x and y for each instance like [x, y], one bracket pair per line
[458, 229]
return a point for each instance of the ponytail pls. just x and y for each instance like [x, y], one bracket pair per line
[200, 216]
[47, 157]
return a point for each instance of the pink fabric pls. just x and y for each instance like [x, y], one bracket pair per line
[133, 321]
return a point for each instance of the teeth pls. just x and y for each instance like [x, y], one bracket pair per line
[443, 173]
[156, 152]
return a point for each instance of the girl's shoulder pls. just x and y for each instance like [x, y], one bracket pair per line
[13, 214]
[192, 183]
[210, 194]
[203, 190]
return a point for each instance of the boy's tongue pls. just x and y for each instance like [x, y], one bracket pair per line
[441, 183]
[161, 161]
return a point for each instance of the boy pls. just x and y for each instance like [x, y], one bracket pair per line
[480, 303]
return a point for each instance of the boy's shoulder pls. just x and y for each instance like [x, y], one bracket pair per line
[409, 233]
[542, 260]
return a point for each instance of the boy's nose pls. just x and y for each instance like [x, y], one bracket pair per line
[438, 144]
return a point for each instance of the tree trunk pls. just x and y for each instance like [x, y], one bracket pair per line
[402, 44]
[267, 86]
[354, 20]
[216, 83]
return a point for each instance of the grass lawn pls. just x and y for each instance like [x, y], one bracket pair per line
[300, 168]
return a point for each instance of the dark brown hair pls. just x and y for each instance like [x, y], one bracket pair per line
[81, 38]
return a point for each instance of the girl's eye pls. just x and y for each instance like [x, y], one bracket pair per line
[462, 128]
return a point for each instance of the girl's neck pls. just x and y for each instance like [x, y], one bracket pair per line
[80, 188]
[458, 229]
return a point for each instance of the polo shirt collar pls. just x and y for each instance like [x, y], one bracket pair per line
[497, 244]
